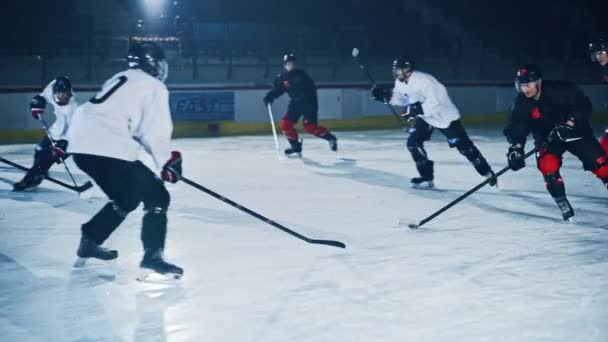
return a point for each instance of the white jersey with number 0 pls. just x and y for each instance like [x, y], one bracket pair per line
[439, 111]
[130, 112]
[63, 114]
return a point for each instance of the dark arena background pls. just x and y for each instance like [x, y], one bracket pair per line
[389, 170]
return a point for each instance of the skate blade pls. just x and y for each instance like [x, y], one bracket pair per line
[293, 155]
[424, 186]
[80, 262]
[155, 277]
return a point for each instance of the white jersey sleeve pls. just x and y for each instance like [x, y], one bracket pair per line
[63, 114]
[399, 98]
[153, 132]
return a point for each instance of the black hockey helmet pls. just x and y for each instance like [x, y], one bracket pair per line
[150, 58]
[404, 62]
[598, 45]
[290, 57]
[527, 73]
[62, 84]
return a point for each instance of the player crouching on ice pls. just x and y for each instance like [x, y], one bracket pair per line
[302, 92]
[598, 51]
[59, 94]
[428, 105]
[130, 113]
[557, 114]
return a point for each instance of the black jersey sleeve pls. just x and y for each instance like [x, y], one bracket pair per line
[277, 89]
[517, 129]
[579, 105]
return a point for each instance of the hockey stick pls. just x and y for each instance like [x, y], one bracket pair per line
[48, 135]
[274, 130]
[373, 82]
[262, 218]
[78, 189]
[470, 192]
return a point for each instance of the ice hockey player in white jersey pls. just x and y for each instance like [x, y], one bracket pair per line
[60, 95]
[129, 115]
[428, 106]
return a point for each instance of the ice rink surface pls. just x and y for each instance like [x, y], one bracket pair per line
[500, 266]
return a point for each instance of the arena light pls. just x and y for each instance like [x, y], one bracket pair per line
[153, 7]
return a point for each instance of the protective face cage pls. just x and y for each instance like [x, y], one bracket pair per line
[596, 48]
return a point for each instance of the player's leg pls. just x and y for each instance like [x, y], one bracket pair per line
[115, 178]
[592, 155]
[43, 160]
[416, 136]
[288, 128]
[154, 226]
[311, 126]
[549, 162]
[459, 139]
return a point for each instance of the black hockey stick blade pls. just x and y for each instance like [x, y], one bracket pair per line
[328, 243]
[414, 225]
[84, 187]
[261, 217]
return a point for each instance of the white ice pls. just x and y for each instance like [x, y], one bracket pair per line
[500, 266]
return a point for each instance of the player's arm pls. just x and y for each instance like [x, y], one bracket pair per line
[155, 129]
[516, 131]
[580, 105]
[39, 101]
[277, 90]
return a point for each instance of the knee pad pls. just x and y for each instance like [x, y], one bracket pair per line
[286, 125]
[289, 130]
[123, 209]
[602, 170]
[549, 164]
[157, 202]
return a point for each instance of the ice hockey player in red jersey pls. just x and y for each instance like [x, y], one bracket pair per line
[429, 106]
[59, 94]
[302, 92]
[598, 51]
[557, 115]
[129, 115]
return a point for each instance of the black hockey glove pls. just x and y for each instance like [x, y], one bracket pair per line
[37, 106]
[563, 132]
[268, 100]
[172, 171]
[413, 110]
[515, 158]
[382, 94]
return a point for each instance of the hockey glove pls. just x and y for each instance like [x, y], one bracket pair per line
[563, 132]
[515, 158]
[267, 100]
[172, 171]
[381, 94]
[59, 150]
[37, 106]
[413, 110]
